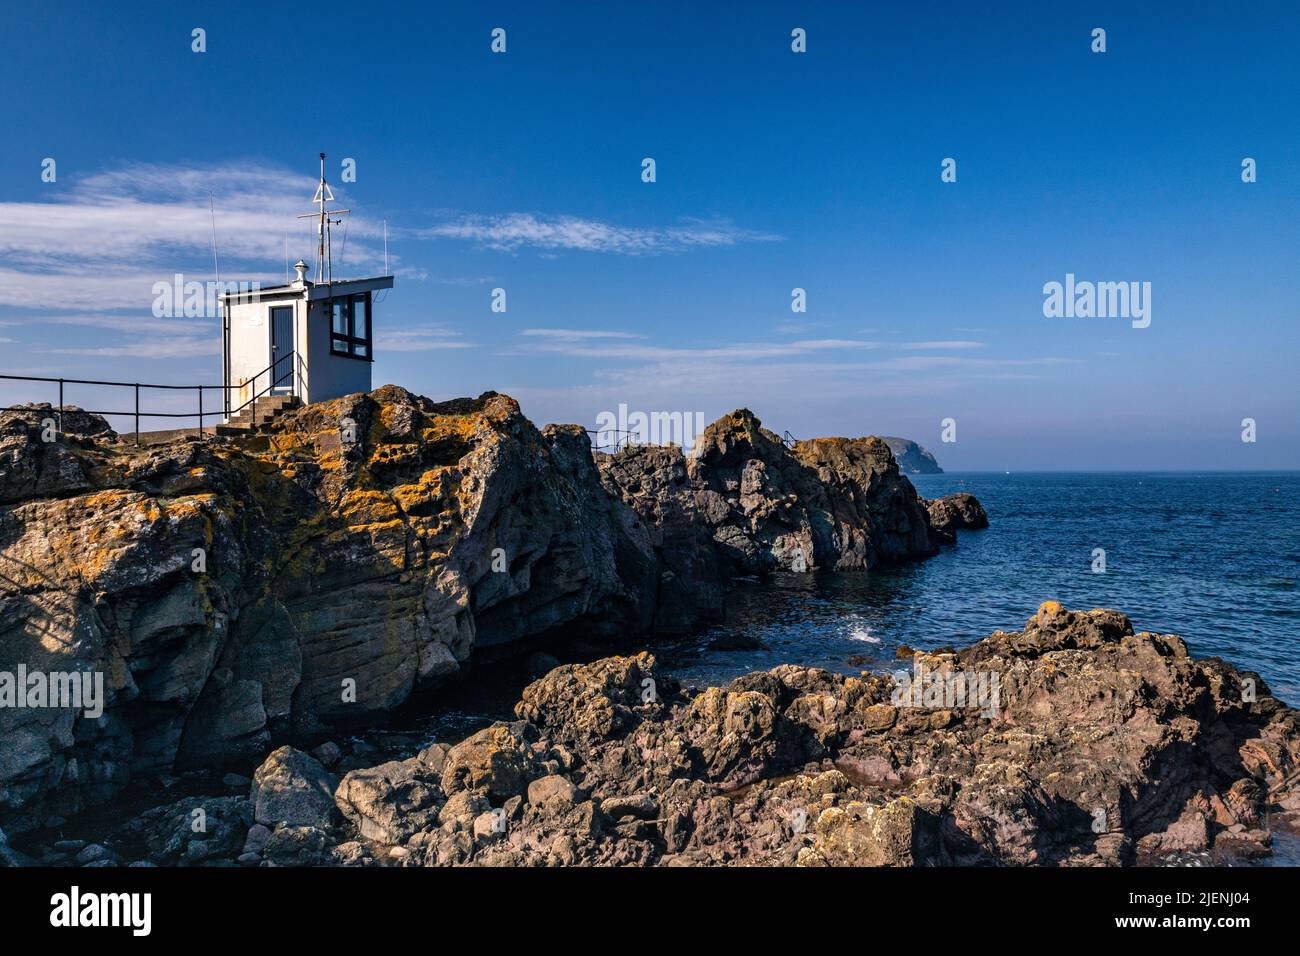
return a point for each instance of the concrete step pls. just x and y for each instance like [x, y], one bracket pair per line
[263, 411]
[168, 435]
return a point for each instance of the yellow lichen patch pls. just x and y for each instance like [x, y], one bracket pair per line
[1050, 609]
[362, 507]
[112, 498]
[287, 443]
[389, 416]
[422, 497]
[462, 427]
[389, 455]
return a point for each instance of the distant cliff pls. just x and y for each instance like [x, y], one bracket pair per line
[912, 458]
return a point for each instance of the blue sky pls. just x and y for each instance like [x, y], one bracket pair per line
[775, 170]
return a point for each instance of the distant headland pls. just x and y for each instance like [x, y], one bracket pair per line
[912, 458]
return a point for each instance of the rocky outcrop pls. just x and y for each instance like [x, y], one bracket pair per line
[951, 513]
[744, 504]
[912, 458]
[235, 593]
[1093, 746]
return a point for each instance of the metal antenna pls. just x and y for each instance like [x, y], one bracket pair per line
[324, 195]
[212, 208]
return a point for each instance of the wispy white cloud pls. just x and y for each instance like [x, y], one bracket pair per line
[942, 346]
[740, 351]
[418, 340]
[577, 335]
[102, 242]
[148, 348]
[813, 378]
[513, 231]
[134, 323]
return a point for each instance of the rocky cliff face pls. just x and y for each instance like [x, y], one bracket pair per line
[235, 592]
[912, 458]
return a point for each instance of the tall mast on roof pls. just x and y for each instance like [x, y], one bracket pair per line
[324, 254]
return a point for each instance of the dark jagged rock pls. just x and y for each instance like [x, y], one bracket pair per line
[191, 832]
[742, 503]
[1100, 747]
[951, 513]
[912, 458]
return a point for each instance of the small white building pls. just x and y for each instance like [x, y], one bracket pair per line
[311, 341]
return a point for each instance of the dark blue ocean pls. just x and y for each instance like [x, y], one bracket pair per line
[1213, 557]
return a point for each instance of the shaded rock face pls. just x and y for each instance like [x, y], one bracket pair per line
[912, 458]
[743, 503]
[191, 832]
[1105, 748]
[292, 787]
[235, 592]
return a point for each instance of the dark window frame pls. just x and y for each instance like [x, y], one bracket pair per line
[345, 346]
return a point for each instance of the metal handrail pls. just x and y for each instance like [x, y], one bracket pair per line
[624, 442]
[137, 414]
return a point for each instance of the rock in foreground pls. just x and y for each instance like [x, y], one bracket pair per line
[1073, 742]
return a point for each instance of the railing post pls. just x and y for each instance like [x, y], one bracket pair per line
[200, 411]
[137, 413]
[60, 406]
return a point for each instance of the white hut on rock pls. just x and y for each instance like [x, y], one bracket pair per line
[298, 343]
[310, 341]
